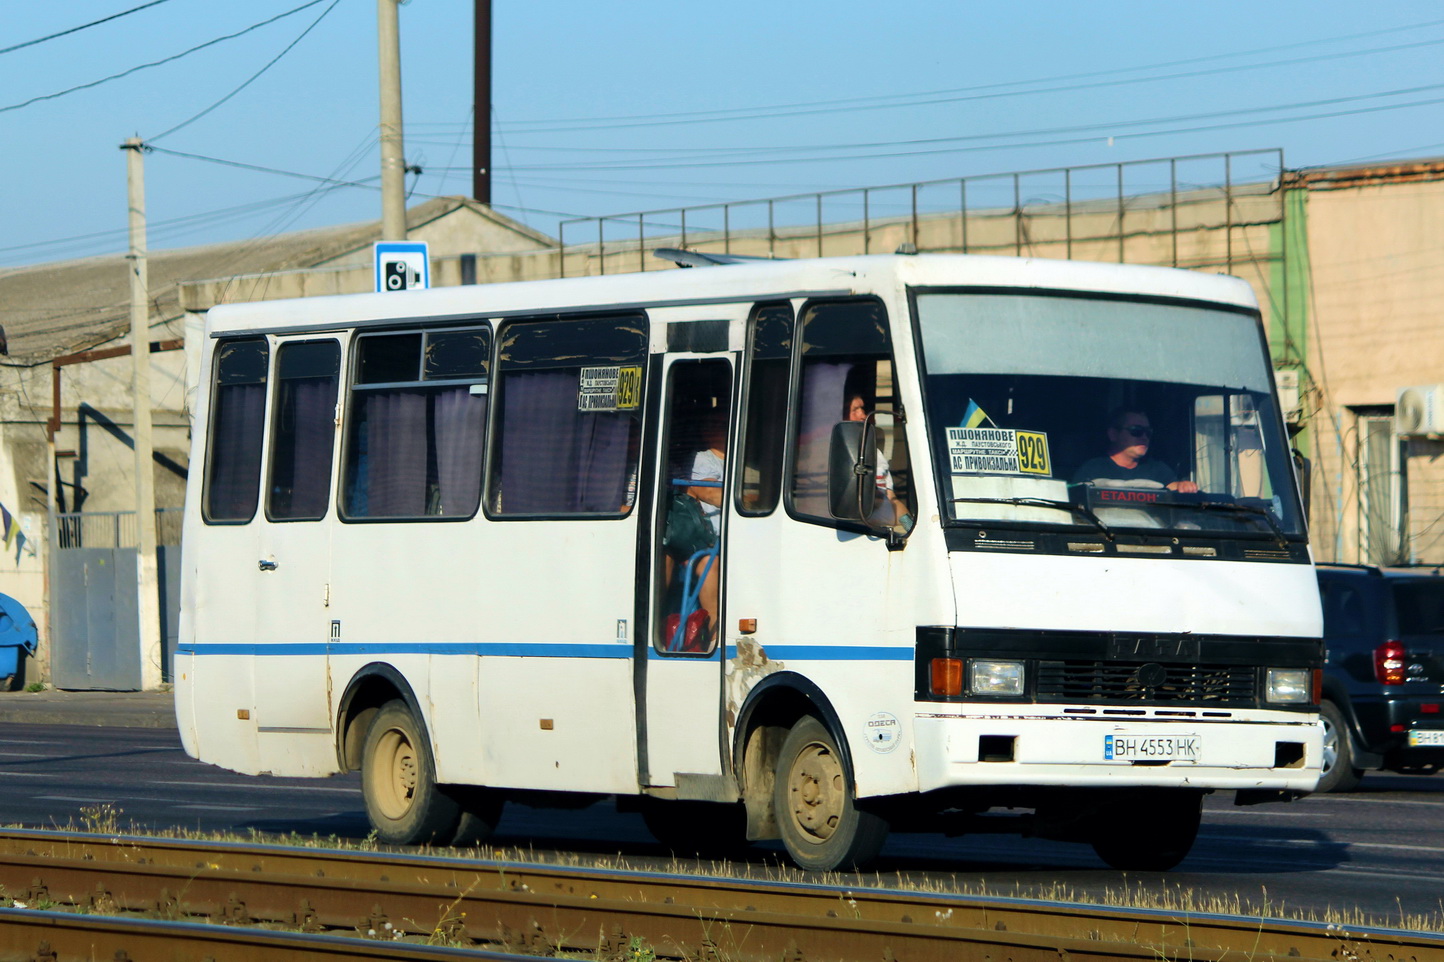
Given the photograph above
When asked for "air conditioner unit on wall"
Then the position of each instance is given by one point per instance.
(1290, 399)
(1419, 411)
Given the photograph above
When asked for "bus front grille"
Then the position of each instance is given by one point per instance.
(1111, 681)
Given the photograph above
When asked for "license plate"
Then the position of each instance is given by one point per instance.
(1151, 748)
(1418, 738)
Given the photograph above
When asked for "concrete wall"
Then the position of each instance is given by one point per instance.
(1375, 327)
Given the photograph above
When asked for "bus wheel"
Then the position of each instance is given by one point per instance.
(1148, 830)
(820, 822)
(398, 782)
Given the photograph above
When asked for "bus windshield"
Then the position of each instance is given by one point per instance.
(1068, 410)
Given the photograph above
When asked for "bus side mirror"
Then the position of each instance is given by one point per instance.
(852, 471)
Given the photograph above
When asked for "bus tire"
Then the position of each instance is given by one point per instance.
(1148, 830)
(1338, 773)
(480, 812)
(398, 782)
(817, 815)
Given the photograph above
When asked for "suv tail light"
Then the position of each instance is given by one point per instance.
(1389, 663)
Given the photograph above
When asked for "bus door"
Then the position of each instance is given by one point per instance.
(292, 569)
(681, 714)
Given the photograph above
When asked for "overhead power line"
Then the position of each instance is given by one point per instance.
(952, 95)
(264, 170)
(724, 157)
(157, 63)
(255, 76)
(83, 26)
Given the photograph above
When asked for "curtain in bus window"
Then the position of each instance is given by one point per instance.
(310, 407)
(460, 424)
(395, 477)
(554, 458)
(823, 384)
(235, 470)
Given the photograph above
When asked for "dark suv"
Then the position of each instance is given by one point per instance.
(1383, 701)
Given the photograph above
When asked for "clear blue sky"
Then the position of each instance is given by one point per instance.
(605, 108)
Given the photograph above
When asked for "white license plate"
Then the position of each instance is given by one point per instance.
(1152, 748)
(1418, 738)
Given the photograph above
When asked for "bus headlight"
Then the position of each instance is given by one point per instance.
(1289, 686)
(995, 677)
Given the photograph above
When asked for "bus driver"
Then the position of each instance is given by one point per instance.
(1127, 461)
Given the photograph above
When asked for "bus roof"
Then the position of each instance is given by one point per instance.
(734, 283)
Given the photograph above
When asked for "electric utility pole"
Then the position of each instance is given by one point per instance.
(148, 601)
(393, 159)
(481, 111)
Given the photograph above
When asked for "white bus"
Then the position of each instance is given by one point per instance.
(798, 550)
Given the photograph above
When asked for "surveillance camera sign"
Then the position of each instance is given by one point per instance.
(402, 266)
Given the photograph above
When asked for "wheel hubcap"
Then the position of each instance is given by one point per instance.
(1331, 746)
(396, 774)
(816, 788)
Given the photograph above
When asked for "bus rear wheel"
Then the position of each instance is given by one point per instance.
(1148, 830)
(398, 782)
(821, 825)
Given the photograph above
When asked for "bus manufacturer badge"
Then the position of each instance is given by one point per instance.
(883, 732)
(998, 451)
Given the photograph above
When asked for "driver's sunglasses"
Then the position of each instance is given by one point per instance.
(1139, 431)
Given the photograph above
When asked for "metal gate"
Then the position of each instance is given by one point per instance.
(95, 634)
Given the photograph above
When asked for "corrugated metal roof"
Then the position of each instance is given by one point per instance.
(59, 308)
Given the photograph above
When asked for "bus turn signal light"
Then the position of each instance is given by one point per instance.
(947, 676)
(1389, 663)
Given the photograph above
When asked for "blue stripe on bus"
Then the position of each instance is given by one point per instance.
(534, 650)
(523, 650)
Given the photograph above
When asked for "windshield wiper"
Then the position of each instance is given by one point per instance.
(1082, 510)
(1253, 511)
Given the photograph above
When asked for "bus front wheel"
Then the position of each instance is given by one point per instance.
(821, 825)
(398, 782)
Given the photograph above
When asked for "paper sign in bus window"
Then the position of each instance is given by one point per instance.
(998, 451)
(610, 389)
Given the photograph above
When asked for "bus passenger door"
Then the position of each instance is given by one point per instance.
(681, 714)
(293, 564)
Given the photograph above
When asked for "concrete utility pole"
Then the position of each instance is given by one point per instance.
(148, 600)
(481, 110)
(393, 159)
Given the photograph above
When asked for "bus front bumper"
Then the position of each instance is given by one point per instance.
(1269, 751)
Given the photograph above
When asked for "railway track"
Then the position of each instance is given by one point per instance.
(233, 901)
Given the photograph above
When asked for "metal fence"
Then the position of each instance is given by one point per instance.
(1095, 212)
(114, 529)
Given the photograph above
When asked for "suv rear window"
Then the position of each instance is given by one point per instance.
(1420, 607)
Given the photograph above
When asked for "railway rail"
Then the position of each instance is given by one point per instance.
(293, 903)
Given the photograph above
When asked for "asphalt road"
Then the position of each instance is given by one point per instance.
(1379, 850)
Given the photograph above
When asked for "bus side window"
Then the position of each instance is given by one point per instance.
(238, 411)
(416, 427)
(765, 433)
(847, 364)
(568, 421)
(303, 429)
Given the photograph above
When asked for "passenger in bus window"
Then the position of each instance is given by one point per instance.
(1127, 462)
(890, 510)
(707, 465)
